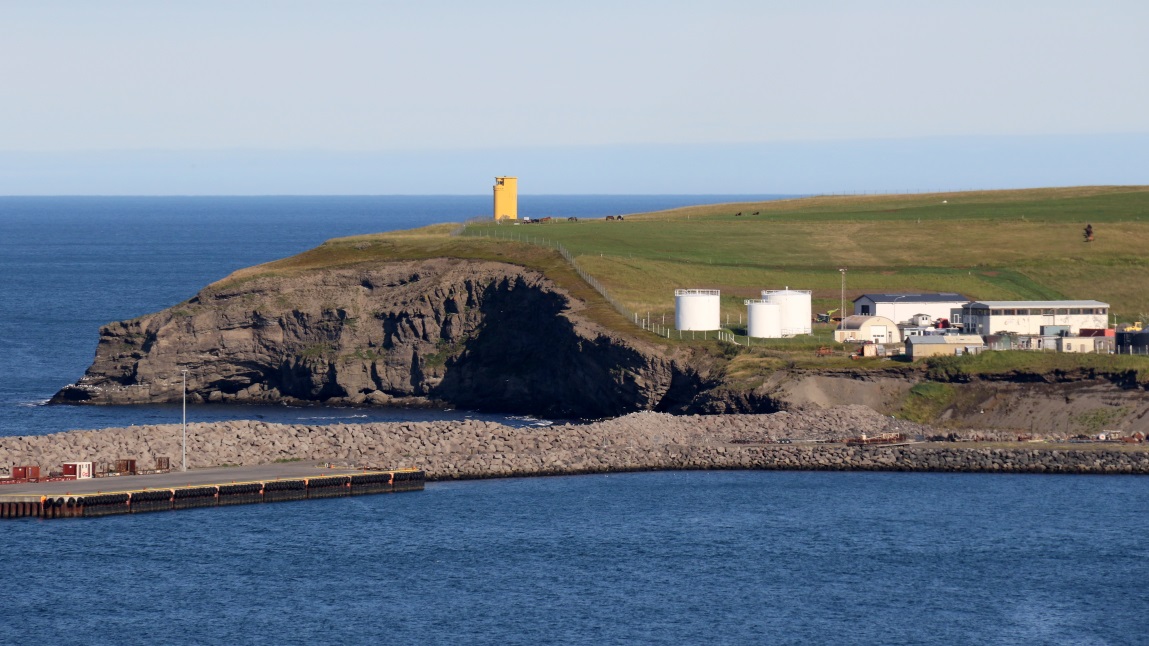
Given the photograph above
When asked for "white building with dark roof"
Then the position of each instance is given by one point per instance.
(1030, 317)
(900, 308)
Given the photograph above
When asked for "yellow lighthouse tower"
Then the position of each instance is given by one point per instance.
(506, 198)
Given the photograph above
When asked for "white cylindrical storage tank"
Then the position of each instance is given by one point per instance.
(697, 309)
(797, 309)
(763, 319)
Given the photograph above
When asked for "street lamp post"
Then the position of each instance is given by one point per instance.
(842, 324)
(185, 421)
(894, 312)
(842, 306)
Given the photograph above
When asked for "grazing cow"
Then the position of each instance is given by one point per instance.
(754, 213)
(546, 219)
(738, 214)
(572, 219)
(619, 218)
(610, 218)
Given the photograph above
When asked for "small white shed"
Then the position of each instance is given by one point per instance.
(82, 470)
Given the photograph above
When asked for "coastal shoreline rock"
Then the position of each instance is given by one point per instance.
(645, 441)
(497, 337)
(479, 335)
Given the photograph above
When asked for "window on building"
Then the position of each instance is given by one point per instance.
(1047, 312)
(1075, 310)
(1009, 312)
(865, 310)
(1062, 312)
(995, 312)
(1023, 312)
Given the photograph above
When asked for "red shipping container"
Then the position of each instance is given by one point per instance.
(69, 469)
(1097, 332)
(26, 473)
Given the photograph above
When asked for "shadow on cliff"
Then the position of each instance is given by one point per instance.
(528, 357)
(492, 337)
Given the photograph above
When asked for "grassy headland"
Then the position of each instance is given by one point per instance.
(1020, 244)
(988, 245)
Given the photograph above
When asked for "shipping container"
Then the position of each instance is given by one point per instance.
(80, 470)
(26, 473)
(1097, 332)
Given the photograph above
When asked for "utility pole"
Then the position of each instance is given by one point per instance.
(842, 310)
(185, 420)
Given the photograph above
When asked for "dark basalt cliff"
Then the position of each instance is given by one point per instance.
(479, 335)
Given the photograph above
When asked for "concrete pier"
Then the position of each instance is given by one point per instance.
(202, 488)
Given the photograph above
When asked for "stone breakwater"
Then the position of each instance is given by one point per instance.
(636, 442)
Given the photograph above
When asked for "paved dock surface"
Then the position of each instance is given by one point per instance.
(216, 476)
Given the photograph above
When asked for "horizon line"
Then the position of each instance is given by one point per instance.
(845, 193)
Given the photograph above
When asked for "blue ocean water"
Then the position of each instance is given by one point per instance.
(665, 558)
(71, 264)
(715, 557)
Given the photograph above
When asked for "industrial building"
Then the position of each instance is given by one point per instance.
(900, 308)
(859, 329)
(919, 347)
(506, 198)
(1062, 318)
(1132, 342)
(1085, 344)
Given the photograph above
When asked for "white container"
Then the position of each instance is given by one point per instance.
(763, 319)
(82, 470)
(797, 309)
(697, 309)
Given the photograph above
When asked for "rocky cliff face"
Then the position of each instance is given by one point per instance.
(496, 337)
(480, 335)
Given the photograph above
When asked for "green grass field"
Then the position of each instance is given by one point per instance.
(987, 245)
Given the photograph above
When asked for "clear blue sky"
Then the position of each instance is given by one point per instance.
(282, 96)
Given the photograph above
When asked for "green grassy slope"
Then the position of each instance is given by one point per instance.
(988, 245)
